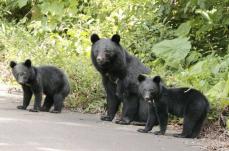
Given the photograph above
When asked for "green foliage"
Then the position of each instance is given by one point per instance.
(184, 41)
(172, 51)
(87, 94)
(184, 29)
(207, 20)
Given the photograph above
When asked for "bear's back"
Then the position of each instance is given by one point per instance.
(134, 68)
(53, 79)
(179, 99)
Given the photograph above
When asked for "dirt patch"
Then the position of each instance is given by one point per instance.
(215, 138)
(212, 137)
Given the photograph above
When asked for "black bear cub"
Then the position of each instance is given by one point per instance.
(47, 80)
(182, 102)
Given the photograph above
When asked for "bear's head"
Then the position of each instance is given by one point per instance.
(149, 88)
(105, 51)
(23, 72)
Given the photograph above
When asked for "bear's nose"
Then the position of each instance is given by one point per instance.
(147, 98)
(20, 82)
(99, 59)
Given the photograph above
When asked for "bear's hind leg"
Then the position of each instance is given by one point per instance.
(197, 128)
(48, 102)
(58, 103)
(188, 126)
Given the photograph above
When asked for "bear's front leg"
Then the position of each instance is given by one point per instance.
(27, 95)
(151, 120)
(162, 115)
(37, 103)
(113, 102)
(130, 109)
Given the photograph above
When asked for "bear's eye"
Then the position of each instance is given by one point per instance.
(18, 75)
(149, 90)
(109, 51)
(145, 90)
(96, 51)
(107, 54)
(21, 74)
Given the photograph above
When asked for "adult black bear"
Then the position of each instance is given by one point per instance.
(38, 80)
(119, 71)
(182, 102)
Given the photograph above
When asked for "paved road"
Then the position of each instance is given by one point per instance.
(70, 131)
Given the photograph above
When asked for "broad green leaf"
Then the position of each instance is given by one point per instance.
(55, 8)
(201, 3)
(192, 57)
(216, 91)
(208, 65)
(36, 13)
(187, 7)
(197, 68)
(22, 3)
(184, 29)
(204, 14)
(225, 92)
(172, 51)
(220, 91)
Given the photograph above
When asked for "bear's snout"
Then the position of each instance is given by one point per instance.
(21, 82)
(22, 79)
(100, 60)
(147, 98)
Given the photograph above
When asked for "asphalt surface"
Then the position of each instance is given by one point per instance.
(70, 131)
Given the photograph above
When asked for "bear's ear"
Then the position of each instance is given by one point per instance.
(157, 79)
(94, 38)
(13, 64)
(115, 38)
(28, 63)
(141, 77)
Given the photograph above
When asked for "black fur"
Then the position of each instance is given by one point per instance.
(182, 102)
(119, 71)
(94, 38)
(38, 80)
(116, 38)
